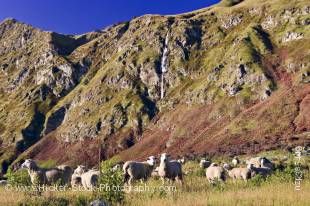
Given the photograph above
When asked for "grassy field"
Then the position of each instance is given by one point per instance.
(277, 189)
(231, 194)
(195, 192)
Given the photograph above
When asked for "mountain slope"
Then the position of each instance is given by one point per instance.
(237, 81)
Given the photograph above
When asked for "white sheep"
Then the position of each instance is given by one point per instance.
(238, 173)
(76, 179)
(215, 172)
(90, 178)
(42, 176)
(170, 169)
(87, 178)
(255, 161)
(133, 170)
(80, 170)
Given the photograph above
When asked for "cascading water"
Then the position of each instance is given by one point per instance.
(164, 65)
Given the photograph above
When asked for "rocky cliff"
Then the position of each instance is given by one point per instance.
(230, 78)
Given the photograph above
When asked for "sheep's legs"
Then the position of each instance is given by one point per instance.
(179, 179)
(126, 178)
(163, 180)
(143, 180)
(130, 181)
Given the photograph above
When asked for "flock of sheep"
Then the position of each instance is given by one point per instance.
(172, 169)
(62, 174)
(167, 169)
(255, 166)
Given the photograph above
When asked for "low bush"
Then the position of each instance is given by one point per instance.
(111, 182)
(257, 180)
(20, 177)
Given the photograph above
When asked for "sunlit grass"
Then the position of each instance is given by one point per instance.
(277, 189)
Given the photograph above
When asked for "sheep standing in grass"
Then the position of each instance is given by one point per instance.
(215, 173)
(263, 171)
(87, 178)
(138, 170)
(80, 170)
(260, 162)
(76, 179)
(170, 169)
(235, 161)
(41, 176)
(204, 163)
(238, 173)
(67, 173)
(255, 161)
(90, 178)
(260, 165)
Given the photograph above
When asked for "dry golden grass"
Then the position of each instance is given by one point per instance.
(196, 192)
(277, 190)
(280, 194)
(9, 197)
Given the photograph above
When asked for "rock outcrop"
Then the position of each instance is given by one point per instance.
(107, 84)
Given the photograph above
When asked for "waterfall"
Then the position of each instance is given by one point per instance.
(164, 65)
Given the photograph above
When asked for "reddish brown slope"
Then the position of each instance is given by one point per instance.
(275, 123)
(281, 121)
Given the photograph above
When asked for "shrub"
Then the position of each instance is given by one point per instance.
(20, 177)
(284, 172)
(257, 180)
(289, 171)
(112, 183)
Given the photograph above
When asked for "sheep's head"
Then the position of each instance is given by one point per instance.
(262, 161)
(236, 159)
(151, 160)
(164, 158)
(182, 160)
(204, 163)
(29, 164)
(80, 170)
(227, 166)
(250, 166)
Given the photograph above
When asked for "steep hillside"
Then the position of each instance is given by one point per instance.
(235, 80)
